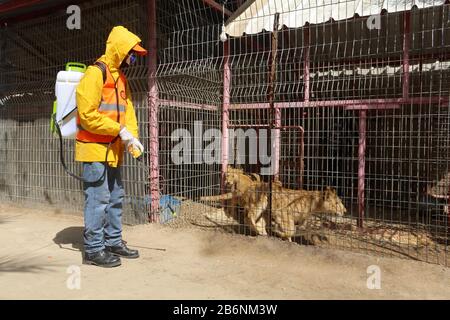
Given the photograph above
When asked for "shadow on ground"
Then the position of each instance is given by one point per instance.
(70, 238)
(4, 220)
(12, 264)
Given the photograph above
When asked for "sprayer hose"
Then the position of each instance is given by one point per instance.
(63, 162)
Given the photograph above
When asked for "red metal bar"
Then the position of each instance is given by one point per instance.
(306, 62)
(20, 14)
(373, 107)
(276, 155)
(372, 103)
(218, 7)
(276, 112)
(153, 113)
(406, 46)
(225, 112)
(448, 213)
(361, 165)
(187, 105)
(17, 4)
(264, 126)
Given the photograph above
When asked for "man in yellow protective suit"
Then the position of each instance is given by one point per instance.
(107, 127)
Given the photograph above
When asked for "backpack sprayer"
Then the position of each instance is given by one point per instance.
(64, 116)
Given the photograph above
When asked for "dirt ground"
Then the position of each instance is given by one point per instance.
(40, 254)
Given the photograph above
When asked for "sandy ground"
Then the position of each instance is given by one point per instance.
(40, 254)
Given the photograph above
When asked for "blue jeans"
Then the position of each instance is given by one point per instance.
(102, 207)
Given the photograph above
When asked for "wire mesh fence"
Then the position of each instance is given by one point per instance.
(359, 119)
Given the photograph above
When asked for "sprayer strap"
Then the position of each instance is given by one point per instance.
(102, 67)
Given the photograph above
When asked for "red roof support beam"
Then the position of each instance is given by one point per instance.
(14, 5)
(32, 9)
(218, 7)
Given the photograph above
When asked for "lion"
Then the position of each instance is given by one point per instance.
(249, 193)
(295, 207)
(289, 207)
(255, 201)
(239, 182)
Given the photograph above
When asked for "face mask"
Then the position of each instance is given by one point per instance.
(132, 59)
(129, 60)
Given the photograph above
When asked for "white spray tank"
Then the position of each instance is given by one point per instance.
(65, 107)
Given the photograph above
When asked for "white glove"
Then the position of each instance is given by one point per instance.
(125, 135)
(135, 147)
(136, 144)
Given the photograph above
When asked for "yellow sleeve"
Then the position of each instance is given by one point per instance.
(130, 116)
(89, 96)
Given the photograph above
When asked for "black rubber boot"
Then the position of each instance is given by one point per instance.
(102, 259)
(123, 251)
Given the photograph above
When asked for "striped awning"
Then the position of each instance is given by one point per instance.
(258, 15)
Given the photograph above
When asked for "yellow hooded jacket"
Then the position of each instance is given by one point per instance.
(89, 95)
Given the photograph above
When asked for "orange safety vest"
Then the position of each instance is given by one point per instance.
(113, 105)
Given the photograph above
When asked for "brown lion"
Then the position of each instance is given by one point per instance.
(294, 207)
(239, 182)
(289, 207)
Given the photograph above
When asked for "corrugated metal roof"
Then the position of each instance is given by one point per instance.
(259, 15)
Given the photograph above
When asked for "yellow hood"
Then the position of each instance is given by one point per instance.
(119, 43)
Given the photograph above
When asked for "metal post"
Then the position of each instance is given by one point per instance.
(225, 107)
(362, 165)
(448, 212)
(406, 46)
(275, 122)
(306, 90)
(276, 112)
(153, 113)
(277, 137)
(306, 61)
